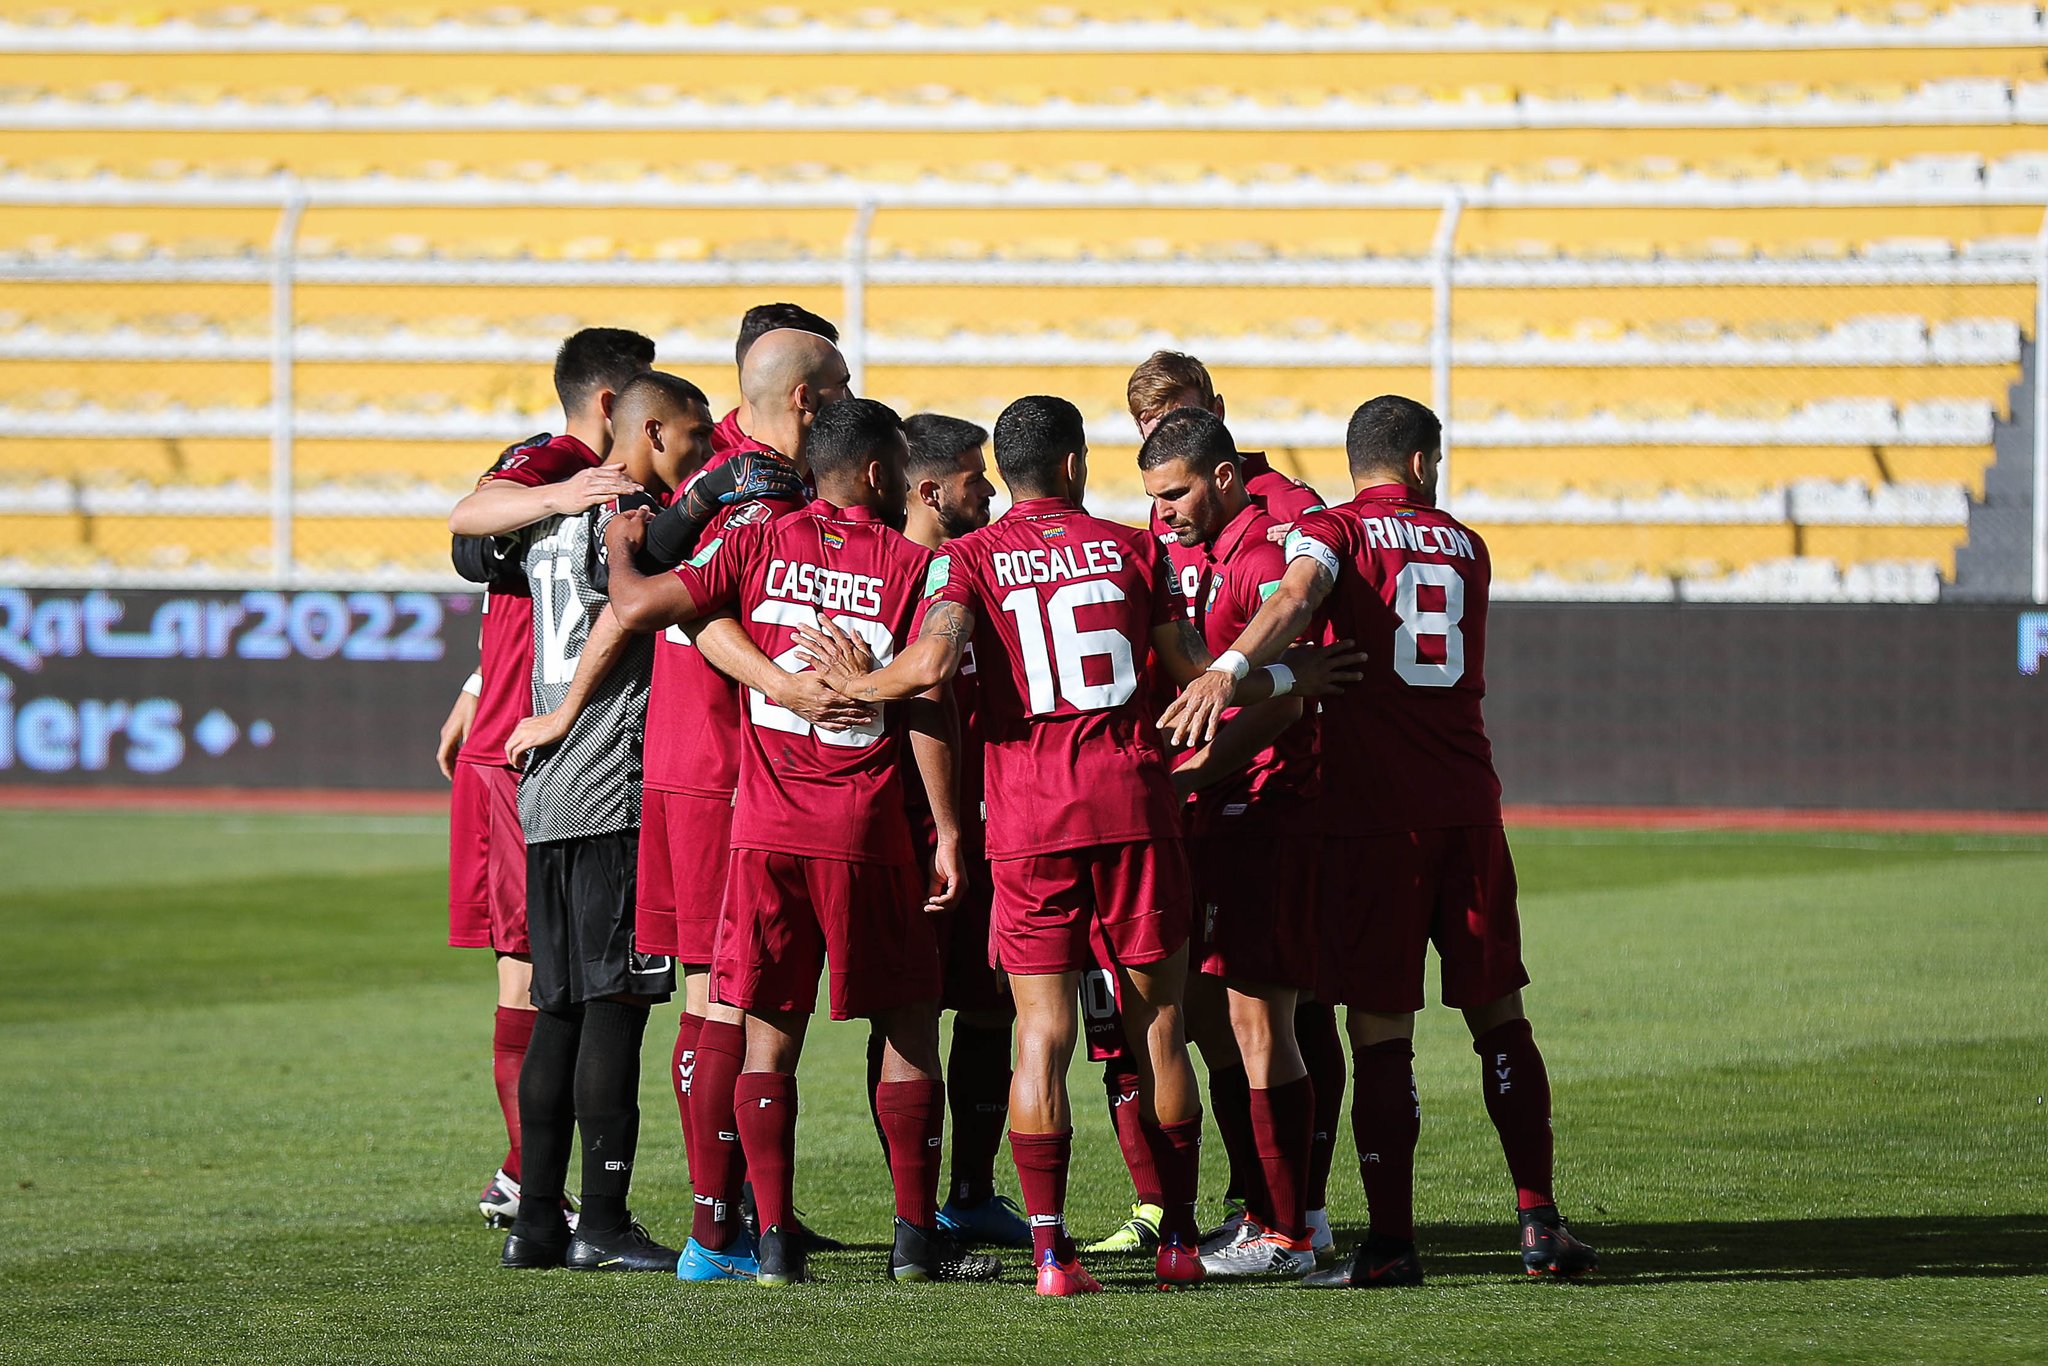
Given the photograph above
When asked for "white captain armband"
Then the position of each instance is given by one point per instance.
(1300, 547)
(474, 684)
(1283, 679)
(1232, 663)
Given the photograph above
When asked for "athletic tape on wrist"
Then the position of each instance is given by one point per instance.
(1232, 663)
(474, 685)
(1283, 679)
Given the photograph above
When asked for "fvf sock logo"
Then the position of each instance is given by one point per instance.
(686, 1069)
(1500, 1074)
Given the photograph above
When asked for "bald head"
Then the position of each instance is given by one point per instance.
(785, 359)
(787, 377)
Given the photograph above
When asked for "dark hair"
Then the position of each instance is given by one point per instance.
(650, 385)
(937, 442)
(1386, 430)
(599, 358)
(1032, 436)
(845, 435)
(1165, 375)
(758, 321)
(1195, 435)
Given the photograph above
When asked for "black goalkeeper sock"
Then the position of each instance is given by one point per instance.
(547, 1122)
(876, 1043)
(608, 1109)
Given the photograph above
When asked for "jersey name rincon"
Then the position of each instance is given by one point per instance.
(835, 590)
(1400, 533)
(1014, 568)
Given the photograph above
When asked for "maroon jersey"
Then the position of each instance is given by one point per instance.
(693, 710)
(1274, 791)
(1065, 605)
(1283, 498)
(1404, 749)
(817, 793)
(507, 667)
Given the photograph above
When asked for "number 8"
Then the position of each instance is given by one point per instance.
(1408, 661)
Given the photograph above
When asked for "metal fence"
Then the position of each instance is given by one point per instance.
(1579, 418)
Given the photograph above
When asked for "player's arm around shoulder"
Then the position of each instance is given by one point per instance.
(944, 628)
(644, 602)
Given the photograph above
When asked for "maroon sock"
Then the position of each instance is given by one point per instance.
(717, 1162)
(978, 1094)
(1283, 1119)
(510, 1034)
(766, 1102)
(1177, 1152)
(1231, 1107)
(1042, 1161)
(1518, 1102)
(683, 1063)
(912, 1116)
(1386, 1120)
(1122, 1085)
(1322, 1048)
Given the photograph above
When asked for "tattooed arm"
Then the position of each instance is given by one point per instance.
(933, 658)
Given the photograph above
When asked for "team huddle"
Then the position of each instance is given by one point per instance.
(773, 697)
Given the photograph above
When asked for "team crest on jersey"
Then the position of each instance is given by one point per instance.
(834, 540)
(1052, 533)
(746, 514)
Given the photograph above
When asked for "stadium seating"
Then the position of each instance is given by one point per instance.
(1724, 378)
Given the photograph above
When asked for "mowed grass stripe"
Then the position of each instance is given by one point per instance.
(1796, 1100)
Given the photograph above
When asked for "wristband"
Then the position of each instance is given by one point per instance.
(1232, 663)
(474, 685)
(1283, 679)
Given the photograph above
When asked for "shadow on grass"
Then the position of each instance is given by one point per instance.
(1867, 1248)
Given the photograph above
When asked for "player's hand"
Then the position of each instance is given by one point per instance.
(589, 488)
(1322, 670)
(1193, 718)
(626, 534)
(745, 477)
(944, 891)
(1278, 532)
(812, 698)
(837, 655)
(454, 732)
(535, 732)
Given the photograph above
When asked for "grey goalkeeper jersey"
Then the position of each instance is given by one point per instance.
(589, 784)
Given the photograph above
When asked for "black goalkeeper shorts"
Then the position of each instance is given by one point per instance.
(579, 919)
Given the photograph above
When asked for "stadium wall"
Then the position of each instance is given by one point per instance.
(1679, 704)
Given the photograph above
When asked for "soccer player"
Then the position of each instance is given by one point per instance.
(692, 770)
(1083, 824)
(579, 805)
(949, 496)
(736, 430)
(821, 869)
(1414, 816)
(538, 477)
(1164, 382)
(1251, 841)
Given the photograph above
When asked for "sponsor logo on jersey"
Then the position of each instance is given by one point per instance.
(703, 557)
(939, 575)
(746, 514)
(1267, 590)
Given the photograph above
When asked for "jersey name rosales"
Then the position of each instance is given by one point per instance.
(1050, 564)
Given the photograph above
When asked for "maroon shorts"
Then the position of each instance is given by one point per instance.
(786, 917)
(486, 860)
(971, 981)
(1045, 904)
(1255, 907)
(1396, 895)
(685, 841)
(1102, 1002)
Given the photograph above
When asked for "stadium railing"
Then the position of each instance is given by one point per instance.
(1531, 516)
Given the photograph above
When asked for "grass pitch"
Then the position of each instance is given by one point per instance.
(1799, 1100)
